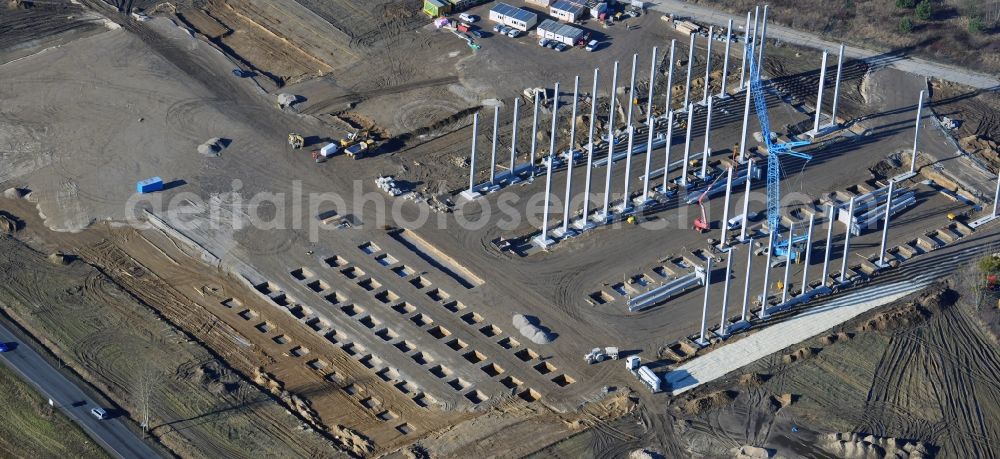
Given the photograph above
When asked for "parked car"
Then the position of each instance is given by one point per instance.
(513, 33)
(477, 34)
(552, 44)
(561, 47)
(544, 43)
(505, 29)
(465, 17)
(99, 413)
(240, 73)
(497, 27)
(592, 46)
(4, 347)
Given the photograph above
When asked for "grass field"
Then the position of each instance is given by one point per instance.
(31, 428)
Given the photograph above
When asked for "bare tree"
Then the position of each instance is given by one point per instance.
(144, 384)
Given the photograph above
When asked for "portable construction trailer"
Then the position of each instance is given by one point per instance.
(517, 18)
(562, 33)
(566, 10)
(435, 8)
(149, 185)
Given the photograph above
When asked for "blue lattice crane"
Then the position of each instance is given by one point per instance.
(773, 149)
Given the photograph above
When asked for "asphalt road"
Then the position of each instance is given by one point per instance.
(112, 434)
(775, 32)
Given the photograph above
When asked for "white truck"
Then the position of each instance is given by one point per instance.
(329, 149)
(357, 150)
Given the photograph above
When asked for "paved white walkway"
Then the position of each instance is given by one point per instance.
(807, 324)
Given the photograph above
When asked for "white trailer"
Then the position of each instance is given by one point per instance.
(649, 379)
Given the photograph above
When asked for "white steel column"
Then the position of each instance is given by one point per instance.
(724, 240)
(669, 143)
(723, 329)
(819, 95)
(708, 63)
(493, 150)
(631, 92)
(534, 139)
(702, 341)
(611, 144)
(763, 38)
(885, 225)
(472, 159)
(829, 246)
(788, 263)
(808, 256)
(996, 197)
(569, 161)
(767, 276)
(687, 83)
(753, 41)
(687, 146)
(626, 200)
(708, 131)
(572, 124)
(670, 78)
(847, 241)
(836, 86)
(582, 223)
(650, 123)
(543, 239)
(916, 133)
(725, 61)
(513, 140)
(746, 42)
(652, 82)
(555, 120)
(746, 119)
(746, 201)
(746, 284)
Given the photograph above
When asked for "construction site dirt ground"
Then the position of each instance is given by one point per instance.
(395, 332)
(914, 375)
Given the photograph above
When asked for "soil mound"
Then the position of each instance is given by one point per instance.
(801, 354)
(61, 259)
(708, 402)
(855, 446)
(212, 147)
(9, 224)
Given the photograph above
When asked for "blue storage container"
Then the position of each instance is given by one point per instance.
(149, 185)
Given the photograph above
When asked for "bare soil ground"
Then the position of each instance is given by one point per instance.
(201, 407)
(30, 28)
(874, 24)
(977, 114)
(916, 375)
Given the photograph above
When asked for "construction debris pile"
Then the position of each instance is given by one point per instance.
(388, 185)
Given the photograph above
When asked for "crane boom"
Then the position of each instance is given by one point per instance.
(773, 149)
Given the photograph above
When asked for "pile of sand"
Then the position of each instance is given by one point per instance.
(286, 100)
(212, 147)
(854, 446)
(979, 145)
(800, 354)
(9, 224)
(750, 452)
(60, 259)
(529, 328)
(708, 402)
(14, 193)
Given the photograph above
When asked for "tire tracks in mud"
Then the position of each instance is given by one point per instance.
(951, 360)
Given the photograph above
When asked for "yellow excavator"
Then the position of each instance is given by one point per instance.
(296, 141)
